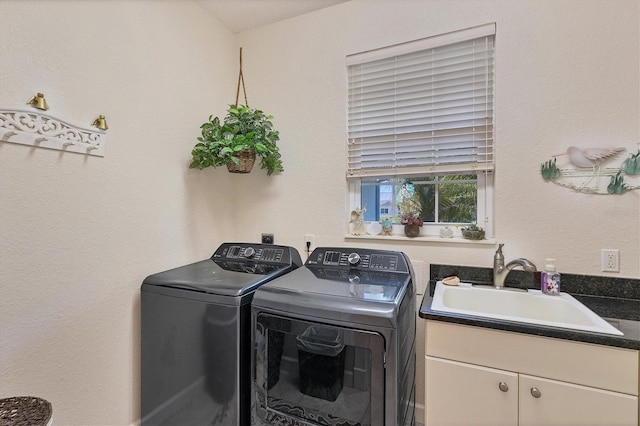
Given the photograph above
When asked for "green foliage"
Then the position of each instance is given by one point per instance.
(631, 165)
(473, 232)
(549, 170)
(426, 195)
(408, 202)
(617, 185)
(243, 128)
(458, 201)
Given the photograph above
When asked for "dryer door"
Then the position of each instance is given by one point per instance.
(312, 373)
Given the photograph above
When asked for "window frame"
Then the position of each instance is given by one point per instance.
(484, 205)
(484, 172)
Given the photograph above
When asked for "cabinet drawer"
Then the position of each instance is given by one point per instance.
(603, 367)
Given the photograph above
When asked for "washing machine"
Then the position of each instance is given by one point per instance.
(196, 335)
(334, 342)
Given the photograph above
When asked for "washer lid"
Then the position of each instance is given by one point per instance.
(354, 285)
(358, 297)
(235, 269)
(216, 277)
(358, 284)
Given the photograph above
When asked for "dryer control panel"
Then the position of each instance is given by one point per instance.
(358, 258)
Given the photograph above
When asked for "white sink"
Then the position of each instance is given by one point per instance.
(532, 307)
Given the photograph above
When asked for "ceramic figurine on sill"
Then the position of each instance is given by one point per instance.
(357, 218)
(387, 226)
(446, 232)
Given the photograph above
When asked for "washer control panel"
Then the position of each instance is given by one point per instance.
(264, 253)
(358, 258)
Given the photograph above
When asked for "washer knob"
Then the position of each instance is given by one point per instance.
(353, 259)
(249, 252)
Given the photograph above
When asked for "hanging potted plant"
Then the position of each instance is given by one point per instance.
(246, 134)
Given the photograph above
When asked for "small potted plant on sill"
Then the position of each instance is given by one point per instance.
(410, 209)
(412, 224)
(473, 232)
(246, 134)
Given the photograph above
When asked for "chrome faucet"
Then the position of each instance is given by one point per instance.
(500, 271)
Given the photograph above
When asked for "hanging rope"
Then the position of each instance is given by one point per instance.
(241, 79)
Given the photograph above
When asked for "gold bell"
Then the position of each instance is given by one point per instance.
(39, 102)
(100, 123)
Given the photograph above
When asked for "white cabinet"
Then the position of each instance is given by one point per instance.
(477, 376)
(550, 402)
(465, 394)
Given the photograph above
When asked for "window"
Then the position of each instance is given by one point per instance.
(422, 112)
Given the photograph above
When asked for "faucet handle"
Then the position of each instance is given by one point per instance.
(499, 254)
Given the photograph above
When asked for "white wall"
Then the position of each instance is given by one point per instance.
(79, 234)
(567, 73)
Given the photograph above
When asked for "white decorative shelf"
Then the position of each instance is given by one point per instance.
(33, 128)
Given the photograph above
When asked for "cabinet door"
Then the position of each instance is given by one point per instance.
(464, 394)
(549, 402)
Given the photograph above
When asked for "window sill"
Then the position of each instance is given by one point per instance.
(423, 239)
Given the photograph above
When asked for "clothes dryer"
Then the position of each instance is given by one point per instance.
(334, 342)
(196, 335)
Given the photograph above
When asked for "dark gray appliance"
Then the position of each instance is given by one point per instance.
(334, 342)
(196, 335)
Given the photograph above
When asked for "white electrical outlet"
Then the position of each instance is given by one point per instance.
(610, 260)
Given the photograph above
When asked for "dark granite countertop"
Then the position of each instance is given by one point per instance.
(614, 299)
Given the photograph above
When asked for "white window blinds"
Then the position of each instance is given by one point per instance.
(423, 106)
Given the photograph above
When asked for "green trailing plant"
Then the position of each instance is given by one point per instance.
(631, 165)
(549, 170)
(244, 128)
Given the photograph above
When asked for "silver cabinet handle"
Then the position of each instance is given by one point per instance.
(503, 386)
(535, 392)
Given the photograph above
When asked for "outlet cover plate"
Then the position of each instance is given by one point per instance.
(610, 259)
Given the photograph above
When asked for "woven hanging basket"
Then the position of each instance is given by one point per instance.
(25, 411)
(247, 158)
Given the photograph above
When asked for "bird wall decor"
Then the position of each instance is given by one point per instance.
(586, 172)
(590, 157)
